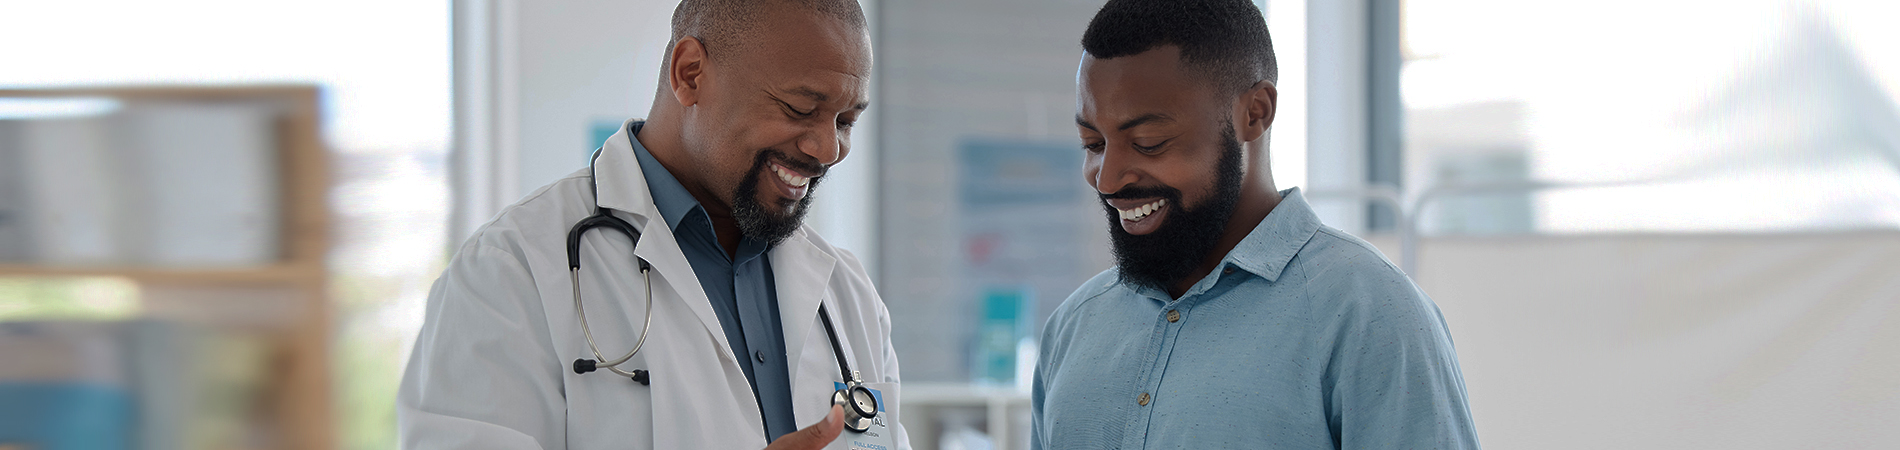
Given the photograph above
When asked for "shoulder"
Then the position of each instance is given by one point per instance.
(1098, 285)
(509, 246)
(546, 211)
(1349, 280)
(1333, 253)
(846, 267)
(1071, 318)
(849, 280)
(1095, 288)
(845, 258)
(1334, 261)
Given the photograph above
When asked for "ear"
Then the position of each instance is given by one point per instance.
(686, 70)
(1254, 110)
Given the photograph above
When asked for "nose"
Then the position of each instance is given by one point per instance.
(825, 144)
(1113, 170)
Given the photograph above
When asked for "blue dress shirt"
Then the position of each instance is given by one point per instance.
(741, 289)
(1305, 337)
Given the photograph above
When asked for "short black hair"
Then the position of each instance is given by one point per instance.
(1225, 39)
(727, 25)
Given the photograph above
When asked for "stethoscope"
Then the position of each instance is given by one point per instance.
(860, 405)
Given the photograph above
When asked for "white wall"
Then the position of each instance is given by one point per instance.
(1762, 341)
(530, 81)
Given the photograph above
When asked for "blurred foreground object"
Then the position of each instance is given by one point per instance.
(211, 204)
(99, 181)
(152, 385)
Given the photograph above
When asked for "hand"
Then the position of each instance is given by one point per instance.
(813, 437)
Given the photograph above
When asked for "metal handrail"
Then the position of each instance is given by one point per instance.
(1409, 214)
(1392, 198)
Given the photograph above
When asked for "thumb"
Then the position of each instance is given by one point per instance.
(816, 436)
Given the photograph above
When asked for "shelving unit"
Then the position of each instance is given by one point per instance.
(286, 302)
(1005, 410)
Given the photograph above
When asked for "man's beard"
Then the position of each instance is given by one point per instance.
(1172, 252)
(755, 221)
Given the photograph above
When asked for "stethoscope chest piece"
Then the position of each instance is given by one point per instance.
(860, 406)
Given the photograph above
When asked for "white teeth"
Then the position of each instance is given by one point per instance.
(1142, 211)
(790, 178)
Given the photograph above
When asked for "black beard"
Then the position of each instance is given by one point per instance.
(754, 220)
(1172, 252)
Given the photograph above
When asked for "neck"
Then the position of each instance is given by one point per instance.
(1258, 197)
(662, 138)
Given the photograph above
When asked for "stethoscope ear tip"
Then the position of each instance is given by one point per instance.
(640, 376)
(583, 365)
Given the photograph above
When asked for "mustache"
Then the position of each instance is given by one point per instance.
(802, 166)
(1144, 192)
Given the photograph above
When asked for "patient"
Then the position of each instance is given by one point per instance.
(1233, 317)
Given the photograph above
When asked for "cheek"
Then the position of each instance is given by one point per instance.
(720, 156)
(727, 163)
(1197, 179)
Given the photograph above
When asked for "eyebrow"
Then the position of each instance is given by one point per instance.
(821, 97)
(1145, 118)
(1138, 121)
(811, 93)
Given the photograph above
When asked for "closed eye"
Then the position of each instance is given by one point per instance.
(794, 111)
(1148, 149)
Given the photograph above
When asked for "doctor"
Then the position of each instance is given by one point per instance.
(755, 319)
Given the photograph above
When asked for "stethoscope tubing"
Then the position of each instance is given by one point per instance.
(844, 369)
(574, 275)
(859, 421)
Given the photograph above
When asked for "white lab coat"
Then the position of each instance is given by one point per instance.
(492, 365)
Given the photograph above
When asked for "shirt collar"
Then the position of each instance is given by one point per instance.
(675, 203)
(669, 196)
(1265, 251)
(1271, 245)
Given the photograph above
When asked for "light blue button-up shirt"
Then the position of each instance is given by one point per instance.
(1305, 337)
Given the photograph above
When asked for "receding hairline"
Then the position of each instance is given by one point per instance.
(723, 26)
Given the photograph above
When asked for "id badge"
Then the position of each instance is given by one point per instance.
(879, 437)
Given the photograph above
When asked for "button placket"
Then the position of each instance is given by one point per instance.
(1169, 332)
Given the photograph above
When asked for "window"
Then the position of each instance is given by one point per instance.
(1650, 116)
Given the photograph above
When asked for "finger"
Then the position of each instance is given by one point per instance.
(813, 437)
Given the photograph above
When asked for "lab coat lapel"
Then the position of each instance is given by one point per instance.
(623, 187)
(707, 423)
(801, 272)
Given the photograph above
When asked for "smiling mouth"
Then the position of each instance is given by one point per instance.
(1137, 213)
(790, 178)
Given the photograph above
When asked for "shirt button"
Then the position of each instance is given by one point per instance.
(1142, 399)
(1174, 315)
(759, 354)
(1228, 271)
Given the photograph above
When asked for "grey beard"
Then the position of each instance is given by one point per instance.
(754, 220)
